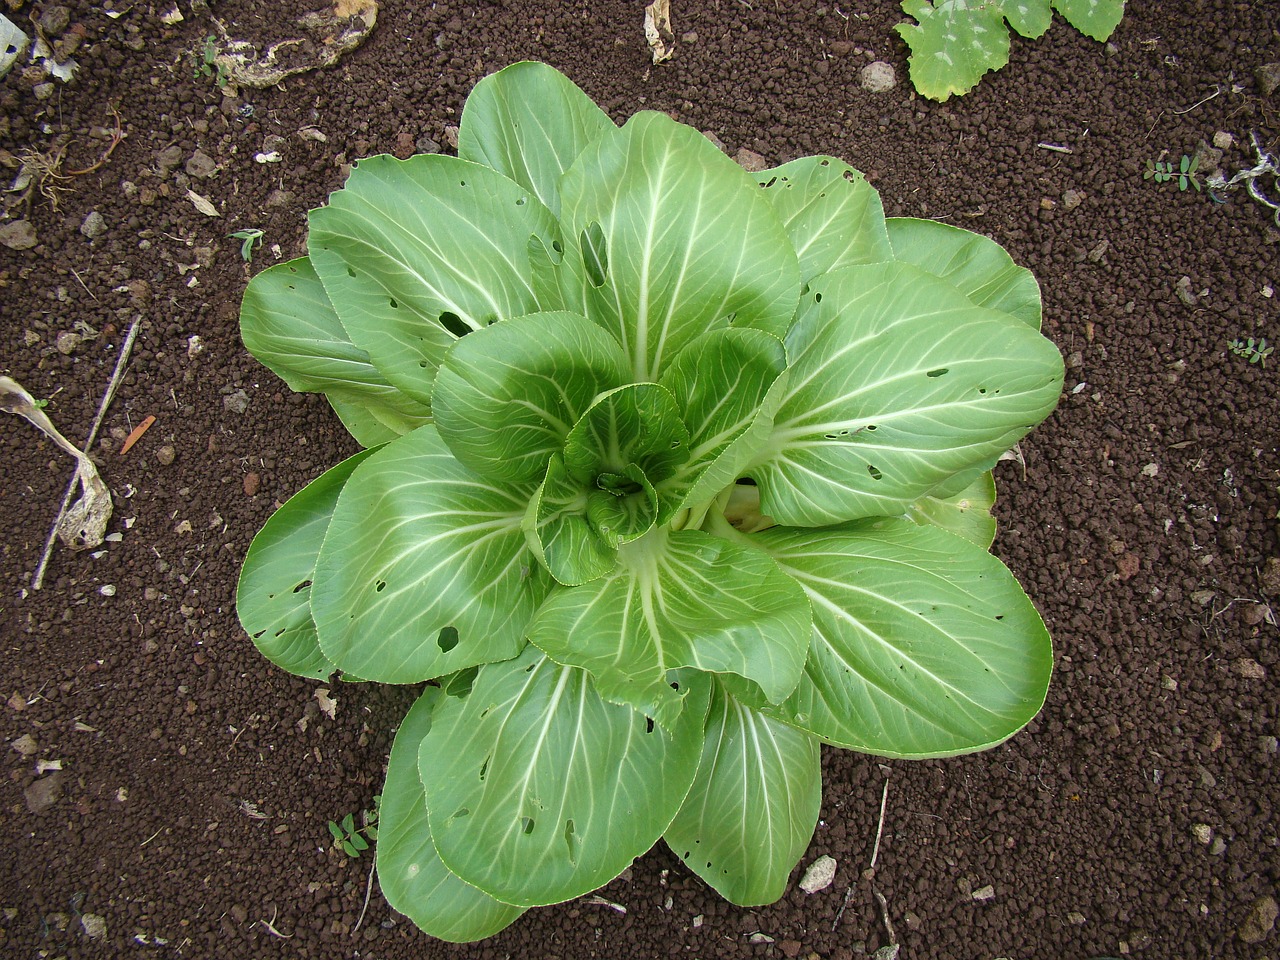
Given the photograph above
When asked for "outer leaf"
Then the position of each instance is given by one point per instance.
(1031, 18)
(832, 215)
(753, 807)
(978, 266)
(506, 397)
(1094, 18)
(954, 44)
(273, 597)
(896, 383)
(923, 645)
(424, 569)
(530, 122)
(966, 514)
(288, 323)
(410, 872)
(665, 199)
(414, 252)
(684, 599)
(539, 791)
(721, 382)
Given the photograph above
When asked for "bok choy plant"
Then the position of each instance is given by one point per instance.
(672, 473)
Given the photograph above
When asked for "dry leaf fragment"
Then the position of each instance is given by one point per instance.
(136, 434)
(658, 32)
(85, 523)
(328, 706)
(203, 204)
(328, 35)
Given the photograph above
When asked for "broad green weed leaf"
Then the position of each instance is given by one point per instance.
(722, 383)
(896, 384)
(977, 266)
(530, 122)
(966, 514)
(539, 791)
(424, 569)
(953, 44)
(752, 808)
(684, 599)
(414, 253)
(273, 596)
(1094, 18)
(832, 215)
(410, 873)
(506, 397)
(288, 323)
(665, 200)
(923, 643)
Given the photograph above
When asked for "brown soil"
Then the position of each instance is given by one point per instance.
(1137, 815)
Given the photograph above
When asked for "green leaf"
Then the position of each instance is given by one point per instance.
(665, 201)
(529, 122)
(338, 833)
(976, 265)
(1094, 18)
(686, 599)
(896, 383)
(923, 644)
(273, 596)
(414, 253)
(966, 514)
(752, 809)
(410, 872)
(953, 44)
(539, 791)
(506, 397)
(560, 532)
(832, 215)
(1031, 18)
(722, 382)
(424, 570)
(288, 323)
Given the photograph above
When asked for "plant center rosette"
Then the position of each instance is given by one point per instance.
(671, 474)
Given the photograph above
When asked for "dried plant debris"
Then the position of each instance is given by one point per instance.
(657, 30)
(326, 36)
(84, 524)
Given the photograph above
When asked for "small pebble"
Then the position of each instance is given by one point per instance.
(107, 590)
(165, 455)
(251, 484)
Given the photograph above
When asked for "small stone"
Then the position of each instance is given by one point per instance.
(888, 952)
(878, 77)
(819, 875)
(1260, 921)
(1202, 832)
(201, 166)
(1250, 669)
(94, 225)
(1223, 140)
(26, 745)
(425, 144)
(451, 136)
(983, 894)
(1127, 566)
(760, 938)
(18, 235)
(44, 793)
(1271, 576)
(1253, 614)
(68, 342)
(43, 91)
(237, 402)
(698, 921)
(18, 703)
(1072, 199)
(251, 484)
(404, 144)
(1218, 847)
(54, 20)
(1075, 918)
(690, 37)
(1183, 289)
(1270, 745)
(1268, 76)
(1099, 251)
(107, 589)
(750, 161)
(95, 927)
(913, 920)
(1151, 470)
(167, 160)
(166, 455)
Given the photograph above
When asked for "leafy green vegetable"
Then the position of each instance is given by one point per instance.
(954, 42)
(673, 474)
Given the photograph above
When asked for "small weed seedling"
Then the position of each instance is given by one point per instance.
(207, 62)
(1162, 171)
(1255, 351)
(353, 840)
(249, 239)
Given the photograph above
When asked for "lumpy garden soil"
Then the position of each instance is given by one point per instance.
(1136, 816)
